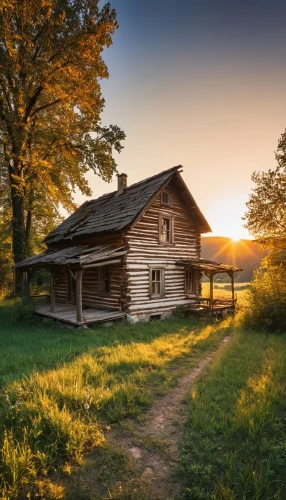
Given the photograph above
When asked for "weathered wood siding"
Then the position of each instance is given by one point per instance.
(145, 251)
(61, 285)
(90, 292)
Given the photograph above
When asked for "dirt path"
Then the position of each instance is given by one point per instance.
(153, 442)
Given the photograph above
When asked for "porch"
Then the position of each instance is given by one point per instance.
(215, 306)
(67, 313)
(76, 296)
(210, 269)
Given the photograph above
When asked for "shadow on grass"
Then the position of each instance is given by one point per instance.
(36, 345)
(75, 379)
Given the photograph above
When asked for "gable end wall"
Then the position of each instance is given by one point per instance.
(145, 251)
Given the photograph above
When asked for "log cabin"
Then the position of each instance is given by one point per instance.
(133, 253)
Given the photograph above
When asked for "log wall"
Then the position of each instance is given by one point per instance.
(146, 250)
(61, 285)
(90, 292)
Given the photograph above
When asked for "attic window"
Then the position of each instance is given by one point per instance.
(166, 198)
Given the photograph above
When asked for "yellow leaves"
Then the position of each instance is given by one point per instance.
(53, 59)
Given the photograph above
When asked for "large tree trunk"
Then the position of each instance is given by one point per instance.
(28, 249)
(18, 228)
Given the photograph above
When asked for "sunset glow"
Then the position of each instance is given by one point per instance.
(205, 89)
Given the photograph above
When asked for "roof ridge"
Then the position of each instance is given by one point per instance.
(155, 176)
(107, 195)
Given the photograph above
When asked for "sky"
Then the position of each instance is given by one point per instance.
(199, 83)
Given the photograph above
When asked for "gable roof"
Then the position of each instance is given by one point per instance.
(113, 212)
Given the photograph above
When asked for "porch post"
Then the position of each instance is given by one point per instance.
(232, 285)
(53, 291)
(25, 287)
(211, 291)
(29, 276)
(78, 294)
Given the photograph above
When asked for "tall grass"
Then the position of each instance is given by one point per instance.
(234, 445)
(51, 417)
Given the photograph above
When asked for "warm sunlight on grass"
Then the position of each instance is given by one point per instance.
(234, 445)
(52, 417)
(223, 291)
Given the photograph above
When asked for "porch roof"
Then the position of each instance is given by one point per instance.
(80, 256)
(208, 266)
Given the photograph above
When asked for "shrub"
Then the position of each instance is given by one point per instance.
(24, 310)
(267, 298)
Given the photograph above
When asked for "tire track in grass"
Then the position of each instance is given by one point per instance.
(152, 443)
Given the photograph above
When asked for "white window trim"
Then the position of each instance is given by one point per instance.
(162, 281)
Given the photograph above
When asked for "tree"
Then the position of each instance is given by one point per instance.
(266, 220)
(50, 105)
(266, 215)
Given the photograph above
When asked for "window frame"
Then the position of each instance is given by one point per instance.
(161, 269)
(169, 217)
(102, 280)
(193, 280)
(166, 203)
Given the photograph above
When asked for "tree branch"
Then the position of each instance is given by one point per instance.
(32, 103)
(45, 106)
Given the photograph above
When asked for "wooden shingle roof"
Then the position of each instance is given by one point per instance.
(208, 266)
(80, 256)
(114, 212)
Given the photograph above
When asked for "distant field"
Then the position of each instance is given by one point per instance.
(221, 293)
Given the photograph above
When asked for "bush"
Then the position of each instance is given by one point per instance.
(267, 298)
(24, 309)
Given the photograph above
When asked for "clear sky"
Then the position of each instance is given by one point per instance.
(200, 83)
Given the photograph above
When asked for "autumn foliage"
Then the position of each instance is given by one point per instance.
(50, 105)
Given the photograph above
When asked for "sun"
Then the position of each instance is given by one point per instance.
(235, 234)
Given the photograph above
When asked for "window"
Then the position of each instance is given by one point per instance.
(103, 280)
(166, 229)
(157, 284)
(166, 198)
(191, 282)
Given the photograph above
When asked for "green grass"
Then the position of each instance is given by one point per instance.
(235, 446)
(60, 387)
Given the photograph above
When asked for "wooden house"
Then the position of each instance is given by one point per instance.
(133, 252)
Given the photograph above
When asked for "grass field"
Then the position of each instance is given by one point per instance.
(235, 441)
(220, 292)
(60, 388)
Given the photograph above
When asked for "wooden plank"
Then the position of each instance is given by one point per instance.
(68, 314)
(211, 291)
